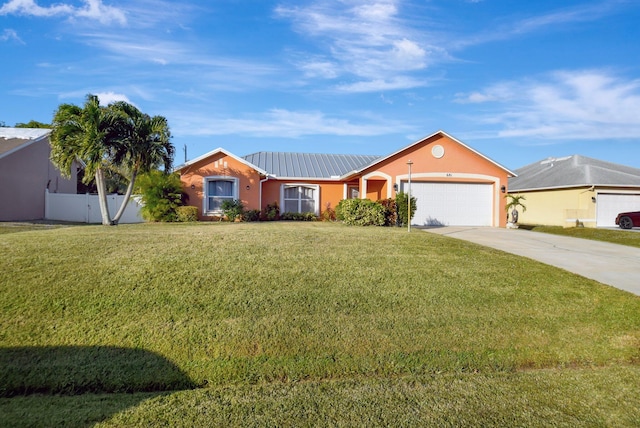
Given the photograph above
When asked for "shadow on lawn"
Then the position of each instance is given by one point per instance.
(74, 370)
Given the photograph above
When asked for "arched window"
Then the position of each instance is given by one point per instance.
(300, 198)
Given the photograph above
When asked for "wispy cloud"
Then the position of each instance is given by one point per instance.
(556, 20)
(92, 9)
(281, 123)
(10, 34)
(366, 40)
(565, 105)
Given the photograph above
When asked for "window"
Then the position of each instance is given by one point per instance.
(300, 198)
(218, 190)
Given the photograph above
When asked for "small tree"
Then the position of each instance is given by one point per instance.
(232, 209)
(513, 202)
(161, 195)
(401, 206)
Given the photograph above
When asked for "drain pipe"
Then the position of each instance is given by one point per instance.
(260, 192)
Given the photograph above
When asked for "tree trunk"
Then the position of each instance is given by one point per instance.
(127, 196)
(102, 197)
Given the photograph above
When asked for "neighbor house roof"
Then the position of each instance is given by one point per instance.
(573, 171)
(308, 165)
(14, 139)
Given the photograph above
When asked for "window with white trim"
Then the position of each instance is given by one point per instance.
(300, 198)
(218, 190)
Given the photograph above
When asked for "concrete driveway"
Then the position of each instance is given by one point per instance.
(611, 264)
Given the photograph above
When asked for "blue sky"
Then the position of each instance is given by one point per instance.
(518, 81)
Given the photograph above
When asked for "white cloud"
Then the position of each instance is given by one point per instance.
(107, 98)
(565, 105)
(367, 40)
(280, 123)
(557, 20)
(9, 34)
(92, 9)
(30, 8)
(381, 85)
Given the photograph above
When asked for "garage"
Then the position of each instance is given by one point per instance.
(610, 204)
(452, 204)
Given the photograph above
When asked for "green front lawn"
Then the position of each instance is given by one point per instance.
(622, 237)
(262, 324)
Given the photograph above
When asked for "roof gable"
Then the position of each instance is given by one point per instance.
(226, 153)
(573, 171)
(420, 141)
(14, 139)
(308, 165)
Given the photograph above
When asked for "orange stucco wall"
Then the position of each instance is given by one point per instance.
(331, 192)
(458, 164)
(192, 177)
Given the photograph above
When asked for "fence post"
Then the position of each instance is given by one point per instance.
(46, 204)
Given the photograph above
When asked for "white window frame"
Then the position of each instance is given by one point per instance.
(205, 199)
(316, 196)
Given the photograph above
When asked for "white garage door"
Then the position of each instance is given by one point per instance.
(452, 204)
(610, 204)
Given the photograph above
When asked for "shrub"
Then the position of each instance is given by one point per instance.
(360, 212)
(161, 195)
(232, 209)
(328, 214)
(390, 211)
(187, 213)
(251, 215)
(402, 208)
(308, 216)
(271, 212)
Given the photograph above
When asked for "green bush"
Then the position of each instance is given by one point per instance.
(390, 211)
(251, 215)
(271, 212)
(402, 208)
(328, 214)
(360, 212)
(309, 216)
(161, 195)
(187, 213)
(232, 209)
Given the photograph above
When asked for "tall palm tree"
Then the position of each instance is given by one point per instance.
(86, 134)
(143, 144)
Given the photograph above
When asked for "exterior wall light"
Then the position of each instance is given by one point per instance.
(503, 188)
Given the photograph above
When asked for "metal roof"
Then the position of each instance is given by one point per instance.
(308, 165)
(573, 171)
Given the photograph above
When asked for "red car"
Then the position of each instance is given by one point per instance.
(628, 220)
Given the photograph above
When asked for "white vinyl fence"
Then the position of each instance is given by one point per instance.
(86, 208)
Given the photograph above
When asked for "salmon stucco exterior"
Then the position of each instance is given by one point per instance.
(453, 183)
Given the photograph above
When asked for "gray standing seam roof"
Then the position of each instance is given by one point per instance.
(308, 165)
(573, 171)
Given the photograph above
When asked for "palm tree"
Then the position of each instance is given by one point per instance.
(143, 144)
(86, 134)
(514, 202)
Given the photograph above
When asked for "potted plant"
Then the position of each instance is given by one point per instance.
(513, 202)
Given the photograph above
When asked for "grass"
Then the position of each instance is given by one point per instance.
(292, 323)
(621, 237)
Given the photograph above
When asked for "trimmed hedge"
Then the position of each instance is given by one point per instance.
(360, 212)
(186, 213)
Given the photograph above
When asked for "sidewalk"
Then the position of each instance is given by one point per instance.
(611, 264)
